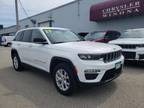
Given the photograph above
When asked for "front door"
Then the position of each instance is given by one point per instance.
(39, 52)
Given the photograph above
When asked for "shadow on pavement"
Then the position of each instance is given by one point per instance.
(135, 64)
(37, 86)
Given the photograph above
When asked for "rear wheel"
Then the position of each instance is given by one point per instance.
(64, 79)
(9, 44)
(17, 62)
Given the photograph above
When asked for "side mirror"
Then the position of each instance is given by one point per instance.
(40, 41)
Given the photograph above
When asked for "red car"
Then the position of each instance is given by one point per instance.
(102, 36)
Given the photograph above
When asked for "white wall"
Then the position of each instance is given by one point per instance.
(67, 17)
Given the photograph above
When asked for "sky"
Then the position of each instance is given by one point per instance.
(32, 7)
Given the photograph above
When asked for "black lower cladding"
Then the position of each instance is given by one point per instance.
(111, 74)
(129, 55)
(91, 76)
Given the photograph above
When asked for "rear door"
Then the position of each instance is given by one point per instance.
(25, 45)
(17, 44)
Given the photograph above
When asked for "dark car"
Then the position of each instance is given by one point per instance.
(102, 36)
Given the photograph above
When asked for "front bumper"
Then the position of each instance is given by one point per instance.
(104, 72)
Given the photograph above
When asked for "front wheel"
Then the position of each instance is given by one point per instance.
(17, 63)
(64, 79)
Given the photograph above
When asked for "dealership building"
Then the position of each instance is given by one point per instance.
(84, 16)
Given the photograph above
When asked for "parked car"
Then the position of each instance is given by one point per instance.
(132, 43)
(0, 39)
(6, 40)
(69, 60)
(102, 36)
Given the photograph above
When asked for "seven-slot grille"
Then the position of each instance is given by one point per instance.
(112, 56)
(128, 46)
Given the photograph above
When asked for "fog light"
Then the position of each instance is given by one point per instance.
(92, 71)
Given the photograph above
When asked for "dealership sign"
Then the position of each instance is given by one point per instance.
(116, 9)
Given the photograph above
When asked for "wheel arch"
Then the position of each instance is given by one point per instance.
(13, 51)
(56, 60)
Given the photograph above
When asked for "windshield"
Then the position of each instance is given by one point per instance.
(133, 34)
(95, 35)
(61, 36)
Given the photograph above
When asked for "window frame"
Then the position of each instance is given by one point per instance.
(19, 36)
(29, 37)
(40, 33)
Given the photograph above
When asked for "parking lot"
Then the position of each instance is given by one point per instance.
(33, 88)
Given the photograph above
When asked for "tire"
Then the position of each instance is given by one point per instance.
(17, 64)
(64, 79)
(9, 45)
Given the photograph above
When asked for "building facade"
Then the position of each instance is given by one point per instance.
(84, 16)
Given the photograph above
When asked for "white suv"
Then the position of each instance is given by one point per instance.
(69, 60)
(132, 43)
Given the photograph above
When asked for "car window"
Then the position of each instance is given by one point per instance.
(95, 35)
(27, 36)
(88, 37)
(61, 36)
(112, 35)
(36, 34)
(19, 36)
(139, 33)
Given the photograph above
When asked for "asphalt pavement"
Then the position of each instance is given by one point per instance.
(33, 88)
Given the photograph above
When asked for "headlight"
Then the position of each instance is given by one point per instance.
(89, 57)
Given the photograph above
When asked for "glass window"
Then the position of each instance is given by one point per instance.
(19, 36)
(37, 34)
(61, 36)
(27, 36)
(112, 35)
(95, 35)
(133, 34)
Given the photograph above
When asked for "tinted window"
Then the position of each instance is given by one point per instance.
(112, 35)
(19, 36)
(95, 35)
(36, 34)
(27, 36)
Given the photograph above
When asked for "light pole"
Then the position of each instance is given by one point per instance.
(17, 15)
(50, 21)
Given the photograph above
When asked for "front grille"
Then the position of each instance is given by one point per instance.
(129, 55)
(112, 56)
(111, 74)
(128, 46)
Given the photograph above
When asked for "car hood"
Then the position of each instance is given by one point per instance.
(87, 47)
(128, 41)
